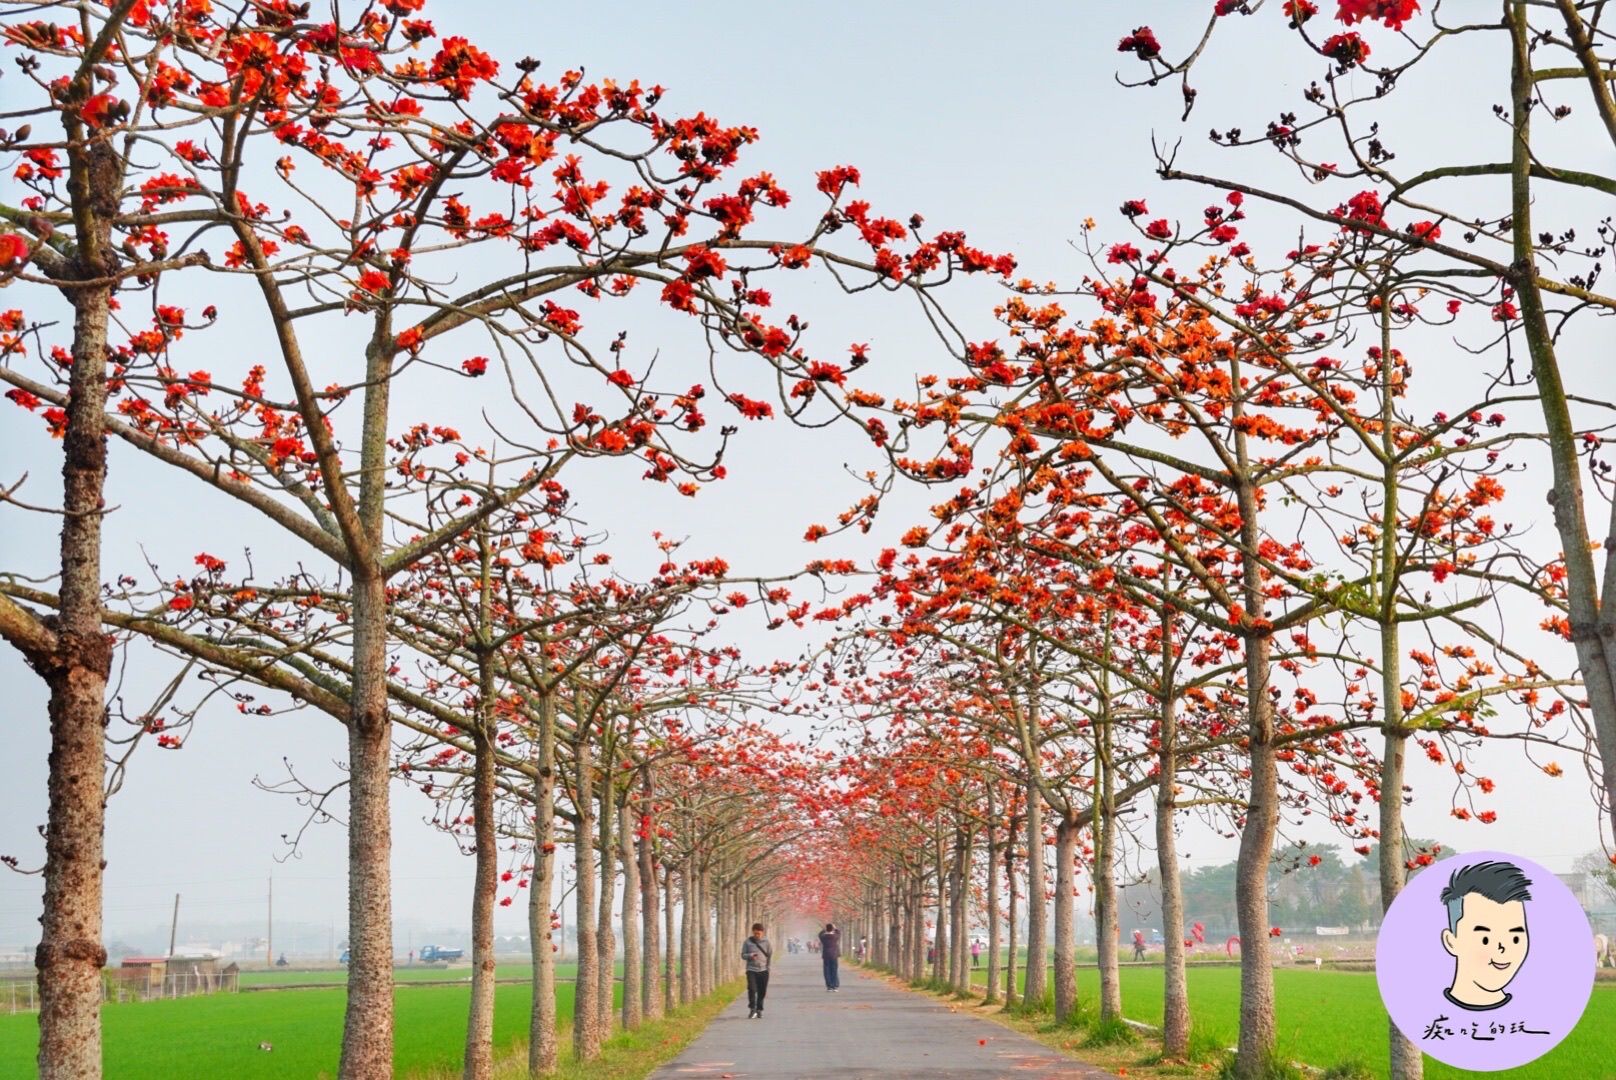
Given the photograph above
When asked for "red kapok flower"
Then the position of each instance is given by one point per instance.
(1348, 50)
(13, 249)
(1299, 11)
(1393, 13)
(1142, 43)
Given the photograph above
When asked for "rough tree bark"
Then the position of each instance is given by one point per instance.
(1106, 937)
(993, 900)
(542, 1047)
(76, 663)
(1010, 883)
(940, 940)
(586, 1030)
(650, 907)
(632, 976)
(1032, 995)
(1257, 1031)
(367, 1040)
(687, 888)
(485, 882)
(1065, 935)
(605, 936)
(1175, 989)
(1593, 622)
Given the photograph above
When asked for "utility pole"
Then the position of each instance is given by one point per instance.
(174, 927)
(269, 931)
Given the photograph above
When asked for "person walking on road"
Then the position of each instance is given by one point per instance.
(756, 952)
(830, 951)
(976, 952)
(1138, 944)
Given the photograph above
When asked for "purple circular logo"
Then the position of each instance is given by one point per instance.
(1485, 961)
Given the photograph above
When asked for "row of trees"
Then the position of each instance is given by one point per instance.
(1218, 531)
(367, 217)
(1229, 556)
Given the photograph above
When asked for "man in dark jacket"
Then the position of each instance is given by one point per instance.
(756, 952)
(830, 951)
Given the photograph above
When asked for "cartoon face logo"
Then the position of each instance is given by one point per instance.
(1486, 934)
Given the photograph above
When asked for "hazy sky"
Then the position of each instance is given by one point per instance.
(1006, 122)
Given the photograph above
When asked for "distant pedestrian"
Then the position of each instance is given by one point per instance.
(830, 952)
(1138, 944)
(976, 952)
(757, 953)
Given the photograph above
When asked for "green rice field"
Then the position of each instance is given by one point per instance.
(219, 1035)
(1329, 1017)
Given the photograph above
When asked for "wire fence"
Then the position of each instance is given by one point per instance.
(20, 996)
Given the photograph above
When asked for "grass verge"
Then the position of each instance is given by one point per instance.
(627, 1055)
(1330, 1022)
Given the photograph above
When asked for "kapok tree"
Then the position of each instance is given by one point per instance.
(79, 251)
(1152, 363)
(1411, 504)
(1496, 236)
(430, 158)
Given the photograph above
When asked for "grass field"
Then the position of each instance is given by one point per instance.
(1328, 1017)
(218, 1036)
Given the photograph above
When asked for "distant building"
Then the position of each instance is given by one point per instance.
(179, 975)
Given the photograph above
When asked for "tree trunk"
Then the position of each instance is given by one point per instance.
(70, 954)
(721, 926)
(955, 930)
(962, 910)
(543, 1046)
(633, 988)
(485, 882)
(367, 1035)
(650, 908)
(586, 1029)
(687, 913)
(940, 937)
(917, 926)
(1257, 1032)
(1593, 623)
(668, 977)
(1065, 936)
(1405, 1059)
(1256, 1045)
(1175, 991)
(605, 937)
(1106, 930)
(1032, 995)
(897, 954)
(704, 934)
(1107, 934)
(993, 902)
(1010, 883)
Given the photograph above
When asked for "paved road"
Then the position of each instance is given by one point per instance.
(868, 1029)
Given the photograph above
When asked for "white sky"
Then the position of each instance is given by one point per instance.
(1007, 123)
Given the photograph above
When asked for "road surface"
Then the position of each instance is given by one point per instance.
(868, 1029)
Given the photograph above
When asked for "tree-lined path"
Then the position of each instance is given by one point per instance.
(408, 426)
(868, 1029)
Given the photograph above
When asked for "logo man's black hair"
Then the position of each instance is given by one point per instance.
(1499, 882)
